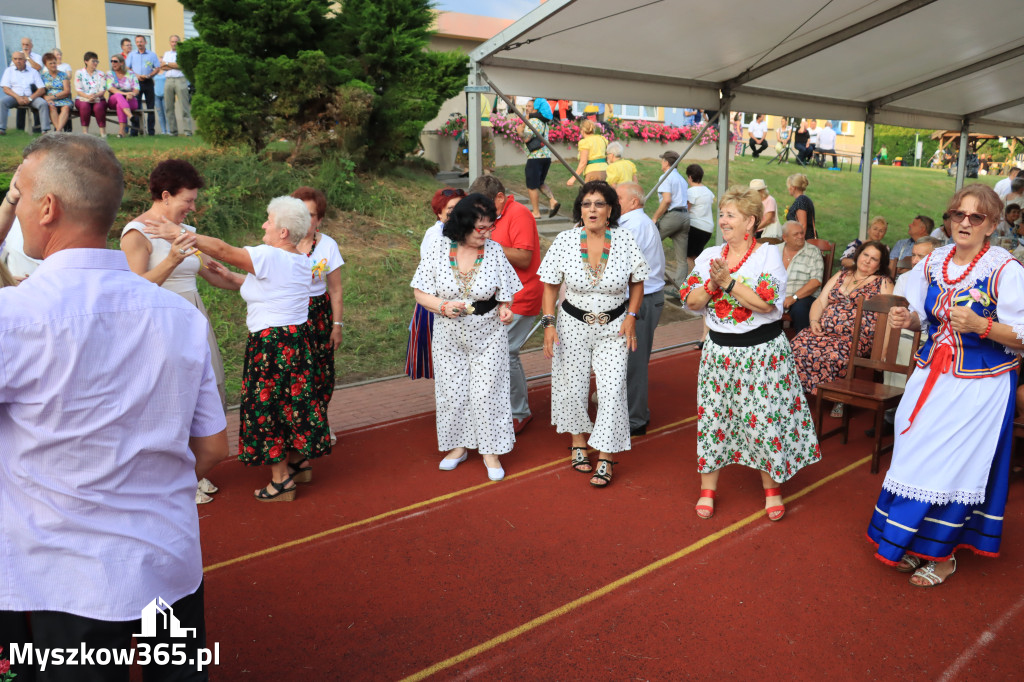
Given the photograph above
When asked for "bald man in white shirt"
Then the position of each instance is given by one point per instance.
(109, 414)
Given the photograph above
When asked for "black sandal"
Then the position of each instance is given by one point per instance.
(299, 473)
(580, 458)
(603, 472)
(283, 494)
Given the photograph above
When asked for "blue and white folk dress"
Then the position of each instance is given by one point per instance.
(947, 485)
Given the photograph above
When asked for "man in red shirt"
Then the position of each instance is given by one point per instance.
(516, 231)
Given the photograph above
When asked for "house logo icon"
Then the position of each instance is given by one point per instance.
(158, 608)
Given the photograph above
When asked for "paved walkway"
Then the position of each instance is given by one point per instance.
(368, 403)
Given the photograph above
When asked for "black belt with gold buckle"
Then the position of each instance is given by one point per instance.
(593, 318)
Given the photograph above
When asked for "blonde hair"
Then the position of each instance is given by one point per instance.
(879, 219)
(797, 181)
(747, 201)
(588, 127)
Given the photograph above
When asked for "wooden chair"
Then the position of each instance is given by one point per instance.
(903, 265)
(769, 240)
(869, 394)
(828, 252)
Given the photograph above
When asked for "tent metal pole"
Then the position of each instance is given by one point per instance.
(695, 140)
(961, 164)
(867, 157)
(476, 162)
(724, 145)
(512, 106)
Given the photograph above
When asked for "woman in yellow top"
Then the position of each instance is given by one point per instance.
(593, 162)
(619, 169)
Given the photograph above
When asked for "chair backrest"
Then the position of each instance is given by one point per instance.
(902, 266)
(769, 240)
(886, 341)
(828, 252)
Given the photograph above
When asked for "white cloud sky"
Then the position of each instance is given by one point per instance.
(504, 9)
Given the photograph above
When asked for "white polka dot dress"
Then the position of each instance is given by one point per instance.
(584, 346)
(470, 354)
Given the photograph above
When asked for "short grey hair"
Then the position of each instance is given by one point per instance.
(936, 243)
(83, 173)
(633, 190)
(290, 214)
(786, 225)
(615, 148)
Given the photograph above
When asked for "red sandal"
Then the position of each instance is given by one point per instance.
(705, 511)
(777, 512)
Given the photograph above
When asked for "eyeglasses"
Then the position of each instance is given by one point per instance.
(975, 219)
(452, 193)
(481, 230)
(115, 61)
(595, 204)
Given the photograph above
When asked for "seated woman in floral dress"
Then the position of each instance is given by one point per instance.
(822, 351)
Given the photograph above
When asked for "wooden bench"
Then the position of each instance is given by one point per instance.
(135, 126)
(841, 157)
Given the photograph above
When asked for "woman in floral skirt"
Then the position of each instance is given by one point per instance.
(280, 422)
(325, 307)
(750, 409)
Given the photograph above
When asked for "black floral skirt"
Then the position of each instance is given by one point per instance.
(321, 324)
(278, 412)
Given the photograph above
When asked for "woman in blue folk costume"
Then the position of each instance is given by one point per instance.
(946, 488)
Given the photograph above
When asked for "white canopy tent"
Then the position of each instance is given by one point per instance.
(940, 64)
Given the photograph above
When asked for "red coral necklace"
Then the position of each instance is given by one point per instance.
(945, 266)
(725, 256)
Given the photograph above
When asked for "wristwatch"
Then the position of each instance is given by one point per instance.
(339, 324)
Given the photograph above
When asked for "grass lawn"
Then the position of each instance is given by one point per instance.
(379, 220)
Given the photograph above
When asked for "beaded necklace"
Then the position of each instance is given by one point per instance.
(725, 255)
(945, 266)
(595, 273)
(465, 279)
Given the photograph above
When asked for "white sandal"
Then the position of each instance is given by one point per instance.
(837, 411)
(909, 563)
(927, 573)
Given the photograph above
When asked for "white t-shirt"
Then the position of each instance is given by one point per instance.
(827, 139)
(433, 232)
(702, 208)
(172, 56)
(1002, 188)
(758, 130)
(326, 259)
(812, 136)
(278, 293)
(675, 185)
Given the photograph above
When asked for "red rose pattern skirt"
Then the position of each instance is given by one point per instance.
(321, 324)
(751, 410)
(279, 412)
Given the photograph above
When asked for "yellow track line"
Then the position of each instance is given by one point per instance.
(411, 507)
(610, 587)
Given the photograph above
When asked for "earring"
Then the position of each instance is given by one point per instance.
(746, 236)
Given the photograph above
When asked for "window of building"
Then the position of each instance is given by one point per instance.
(128, 21)
(35, 20)
(190, 30)
(635, 111)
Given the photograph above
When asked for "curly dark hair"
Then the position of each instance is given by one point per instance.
(883, 258)
(172, 176)
(465, 214)
(610, 197)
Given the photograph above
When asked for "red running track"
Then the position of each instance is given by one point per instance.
(385, 568)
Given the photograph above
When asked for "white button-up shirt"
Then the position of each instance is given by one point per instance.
(103, 378)
(645, 232)
(22, 82)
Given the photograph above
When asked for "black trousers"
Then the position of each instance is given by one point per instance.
(800, 313)
(147, 94)
(757, 148)
(53, 630)
(804, 152)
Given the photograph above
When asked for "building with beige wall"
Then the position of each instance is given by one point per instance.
(78, 26)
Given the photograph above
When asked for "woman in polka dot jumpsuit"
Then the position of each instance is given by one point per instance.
(466, 280)
(601, 267)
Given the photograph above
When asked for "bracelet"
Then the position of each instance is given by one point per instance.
(441, 308)
(547, 321)
(628, 312)
(7, 198)
(732, 283)
(987, 329)
(706, 283)
(339, 324)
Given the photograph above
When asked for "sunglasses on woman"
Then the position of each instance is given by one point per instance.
(452, 193)
(975, 219)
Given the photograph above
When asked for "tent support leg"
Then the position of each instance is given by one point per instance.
(867, 162)
(961, 164)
